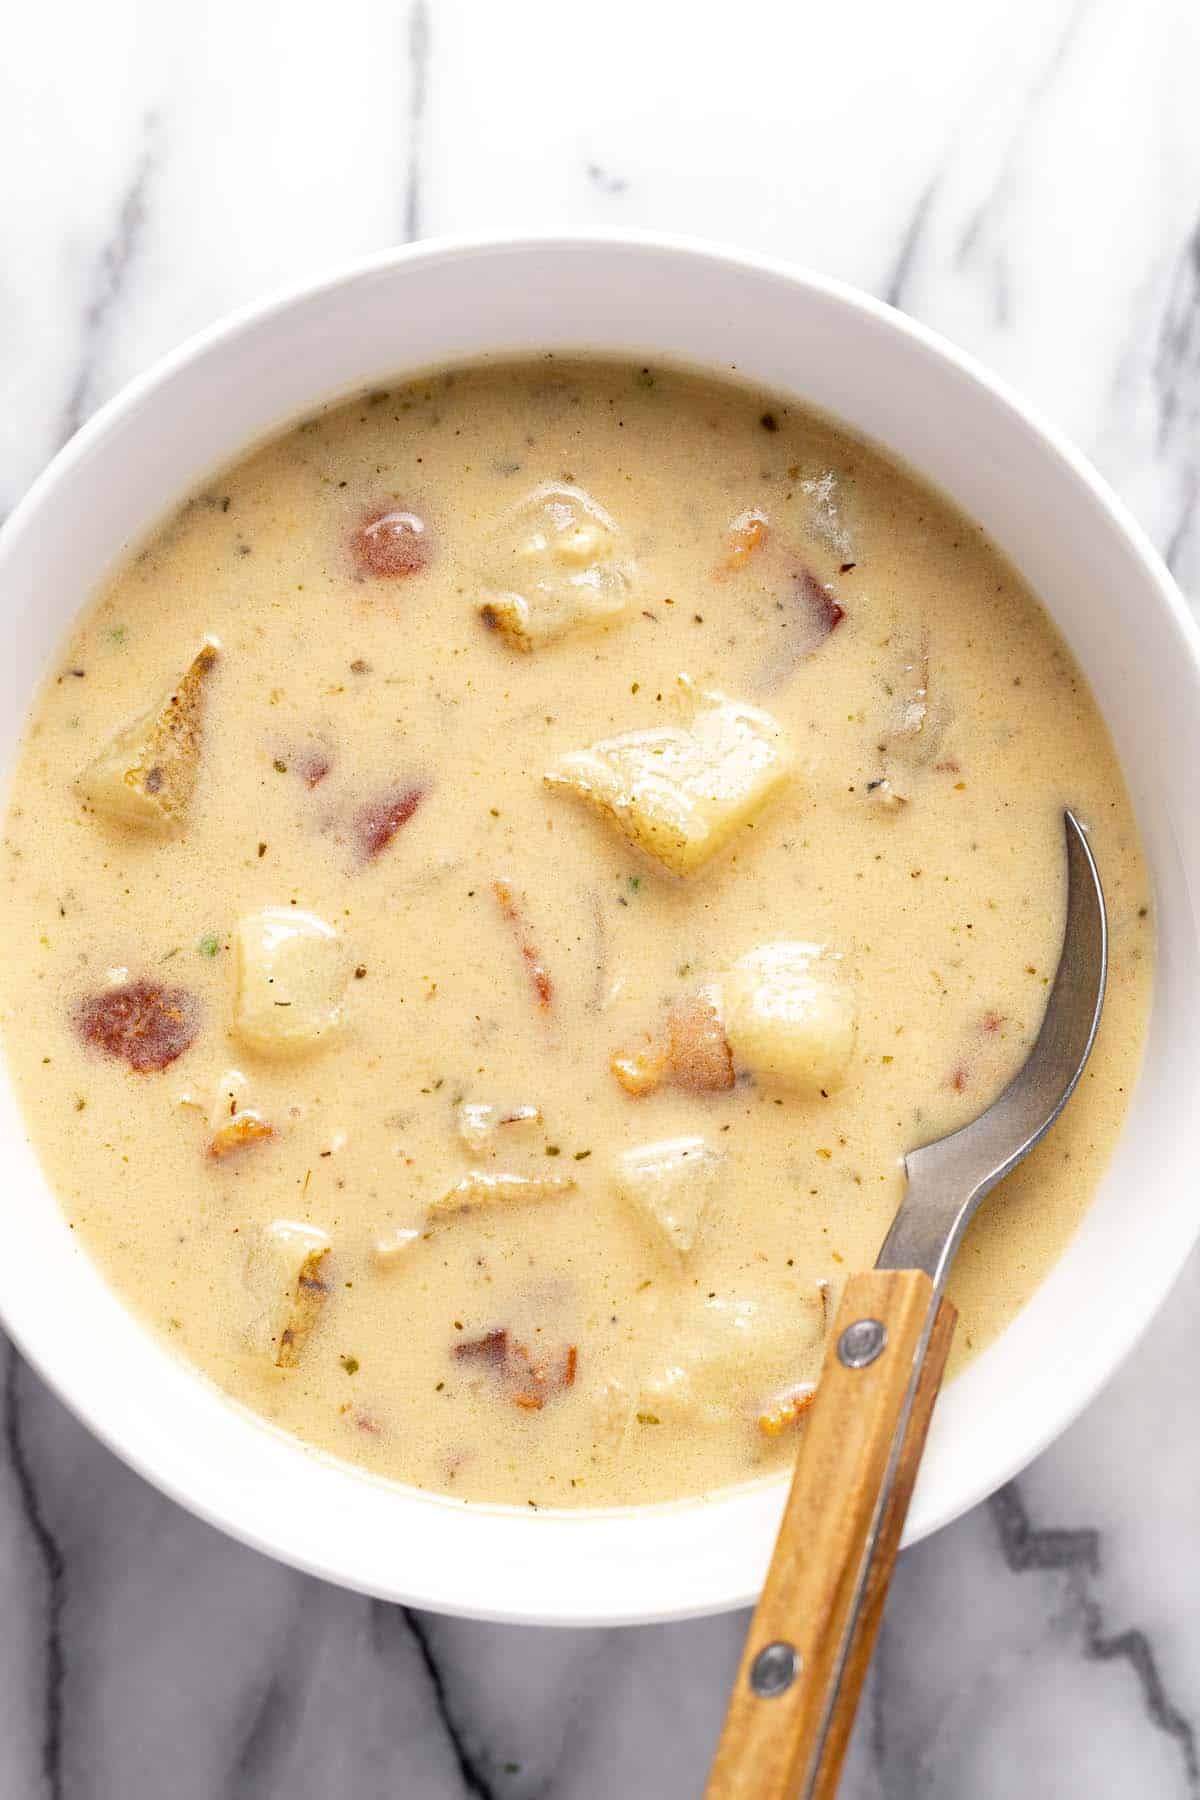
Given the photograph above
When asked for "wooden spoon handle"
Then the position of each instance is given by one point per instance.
(811, 1638)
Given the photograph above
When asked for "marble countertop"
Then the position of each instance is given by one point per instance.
(1022, 174)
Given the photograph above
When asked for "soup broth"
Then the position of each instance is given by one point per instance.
(579, 826)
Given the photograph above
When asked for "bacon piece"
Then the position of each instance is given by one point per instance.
(698, 1050)
(539, 975)
(640, 1071)
(146, 1024)
(693, 1053)
(377, 821)
(491, 1349)
(786, 1409)
(246, 1127)
(312, 764)
(746, 534)
(809, 613)
(530, 1383)
(825, 613)
(391, 544)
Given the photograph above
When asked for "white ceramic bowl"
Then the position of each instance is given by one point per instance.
(800, 335)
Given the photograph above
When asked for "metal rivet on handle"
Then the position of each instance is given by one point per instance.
(774, 1669)
(861, 1343)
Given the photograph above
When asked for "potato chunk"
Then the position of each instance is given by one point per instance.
(291, 974)
(919, 717)
(233, 1123)
(670, 1183)
(611, 1412)
(679, 793)
(725, 1354)
(790, 1016)
(480, 1189)
(308, 1298)
(288, 1280)
(555, 565)
(480, 1122)
(146, 774)
(392, 1246)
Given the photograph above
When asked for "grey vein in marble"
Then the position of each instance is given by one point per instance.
(111, 273)
(472, 1777)
(604, 179)
(50, 1557)
(419, 32)
(1077, 1554)
(1177, 371)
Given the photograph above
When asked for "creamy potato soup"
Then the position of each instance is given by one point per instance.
(496, 884)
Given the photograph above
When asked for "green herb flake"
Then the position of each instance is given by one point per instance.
(279, 766)
(209, 944)
(117, 635)
(350, 1364)
(553, 1150)
(644, 378)
(648, 1419)
(582, 1155)
(635, 882)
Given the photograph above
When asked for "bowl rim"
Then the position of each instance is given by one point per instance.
(992, 390)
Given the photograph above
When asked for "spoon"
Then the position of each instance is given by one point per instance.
(812, 1634)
